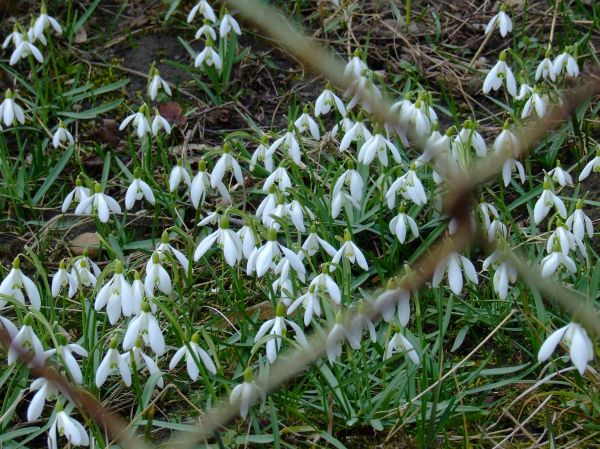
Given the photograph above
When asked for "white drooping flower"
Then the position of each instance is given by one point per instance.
(401, 223)
(226, 239)
(350, 252)
(200, 185)
(137, 190)
(345, 124)
(565, 62)
(305, 123)
(146, 327)
(399, 343)
(355, 66)
(336, 338)
(505, 273)
(500, 74)
(561, 176)
(13, 285)
(363, 91)
(501, 21)
(194, 356)
(261, 154)
(420, 116)
(575, 337)
(327, 100)
(545, 69)
(24, 49)
(68, 427)
(357, 131)
(546, 202)
(289, 144)
(277, 327)
(78, 194)
(164, 249)
(244, 394)
(10, 111)
(536, 103)
(378, 145)
(262, 258)
(349, 179)
(61, 135)
(409, 186)
(362, 320)
(509, 167)
(435, 145)
(206, 30)
(280, 178)
(456, 265)
(204, 8)
(226, 162)
(564, 238)
(158, 123)
(390, 299)
(61, 279)
(65, 351)
(507, 142)
(311, 303)
(139, 120)
(113, 363)
(26, 344)
(467, 140)
(313, 242)
(228, 23)
(155, 83)
(553, 261)
(43, 21)
(179, 174)
(157, 276)
(579, 223)
(98, 202)
(14, 38)
(248, 238)
(81, 275)
(594, 165)
(115, 296)
(45, 391)
(137, 359)
(209, 56)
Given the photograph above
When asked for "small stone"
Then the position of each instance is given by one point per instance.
(87, 240)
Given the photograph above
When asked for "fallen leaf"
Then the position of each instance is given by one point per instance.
(86, 240)
(80, 36)
(171, 111)
(108, 132)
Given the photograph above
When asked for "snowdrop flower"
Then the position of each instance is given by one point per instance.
(68, 427)
(594, 165)
(78, 194)
(579, 223)
(399, 343)
(245, 393)
(336, 338)
(500, 73)
(325, 283)
(44, 20)
(226, 239)
(32, 37)
(206, 30)
(9, 327)
(248, 239)
(534, 103)
(26, 343)
(179, 174)
(487, 212)
(525, 90)
(164, 248)
(204, 8)
(280, 178)
(377, 146)
(305, 123)
(546, 201)
(359, 323)
(575, 337)
(81, 274)
(288, 143)
(200, 185)
(435, 145)
(212, 218)
(566, 62)
(501, 21)
(283, 270)
(507, 143)
(466, 140)
(100, 203)
(401, 223)
(496, 229)
(228, 23)
(226, 162)
(61, 135)
(351, 252)
(262, 258)
(262, 154)
(115, 295)
(159, 122)
(505, 273)
(209, 57)
(65, 352)
(363, 90)
(508, 168)
(190, 351)
(60, 279)
(313, 242)
(138, 190)
(13, 285)
(113, 363)
(45, 391)
(138, 293)
(421, 117)
(268, 205)
(138, 359)
(357, 131)
(551, 262)
(139, 120)
(24, 49)
(409, 186)
(456, 264)
(10, 111)
(277, 327)
(327, 100)
(155, 82)
(390, 299)
(561, 176)
(14, 38)
(545, 69)
(562, 236)
(355, 66)
(310, 302)
(145, 326)
(157, 276)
